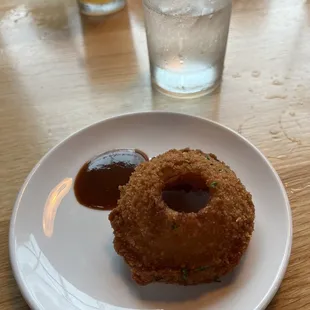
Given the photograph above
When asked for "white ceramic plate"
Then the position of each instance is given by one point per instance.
(62, 254)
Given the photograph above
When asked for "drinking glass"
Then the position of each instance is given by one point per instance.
(187, 44)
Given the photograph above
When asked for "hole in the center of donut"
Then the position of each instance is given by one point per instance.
(187, 194)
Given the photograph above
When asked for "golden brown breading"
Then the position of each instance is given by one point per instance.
(160, 244)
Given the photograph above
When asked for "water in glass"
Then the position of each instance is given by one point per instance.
(187, 44)
(100, 7)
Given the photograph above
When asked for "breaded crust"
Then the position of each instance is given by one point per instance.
(160, 244)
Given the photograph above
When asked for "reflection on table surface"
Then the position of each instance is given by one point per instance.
(61, 71)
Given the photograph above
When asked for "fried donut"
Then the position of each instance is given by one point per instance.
(163, 245)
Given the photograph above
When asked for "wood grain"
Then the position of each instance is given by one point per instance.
(60, 72)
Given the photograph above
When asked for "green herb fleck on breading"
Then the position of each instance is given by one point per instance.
(174, 226)
(184, 273)
(213, 184)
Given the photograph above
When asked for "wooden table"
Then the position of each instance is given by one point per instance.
(60, 72)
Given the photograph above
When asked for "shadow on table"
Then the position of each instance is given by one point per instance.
(206, 106)
(250, 4)
(109, 57)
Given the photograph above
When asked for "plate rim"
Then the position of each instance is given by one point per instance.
(288, 246)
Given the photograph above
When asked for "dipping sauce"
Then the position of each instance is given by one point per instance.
(186, 198)
(96, 185)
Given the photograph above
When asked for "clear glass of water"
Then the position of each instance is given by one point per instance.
(100, 7)
(187, 44)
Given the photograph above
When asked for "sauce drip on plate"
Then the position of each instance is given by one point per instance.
(96, 185)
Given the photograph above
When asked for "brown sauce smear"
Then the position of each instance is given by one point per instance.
(185, 196)
(96, 185)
